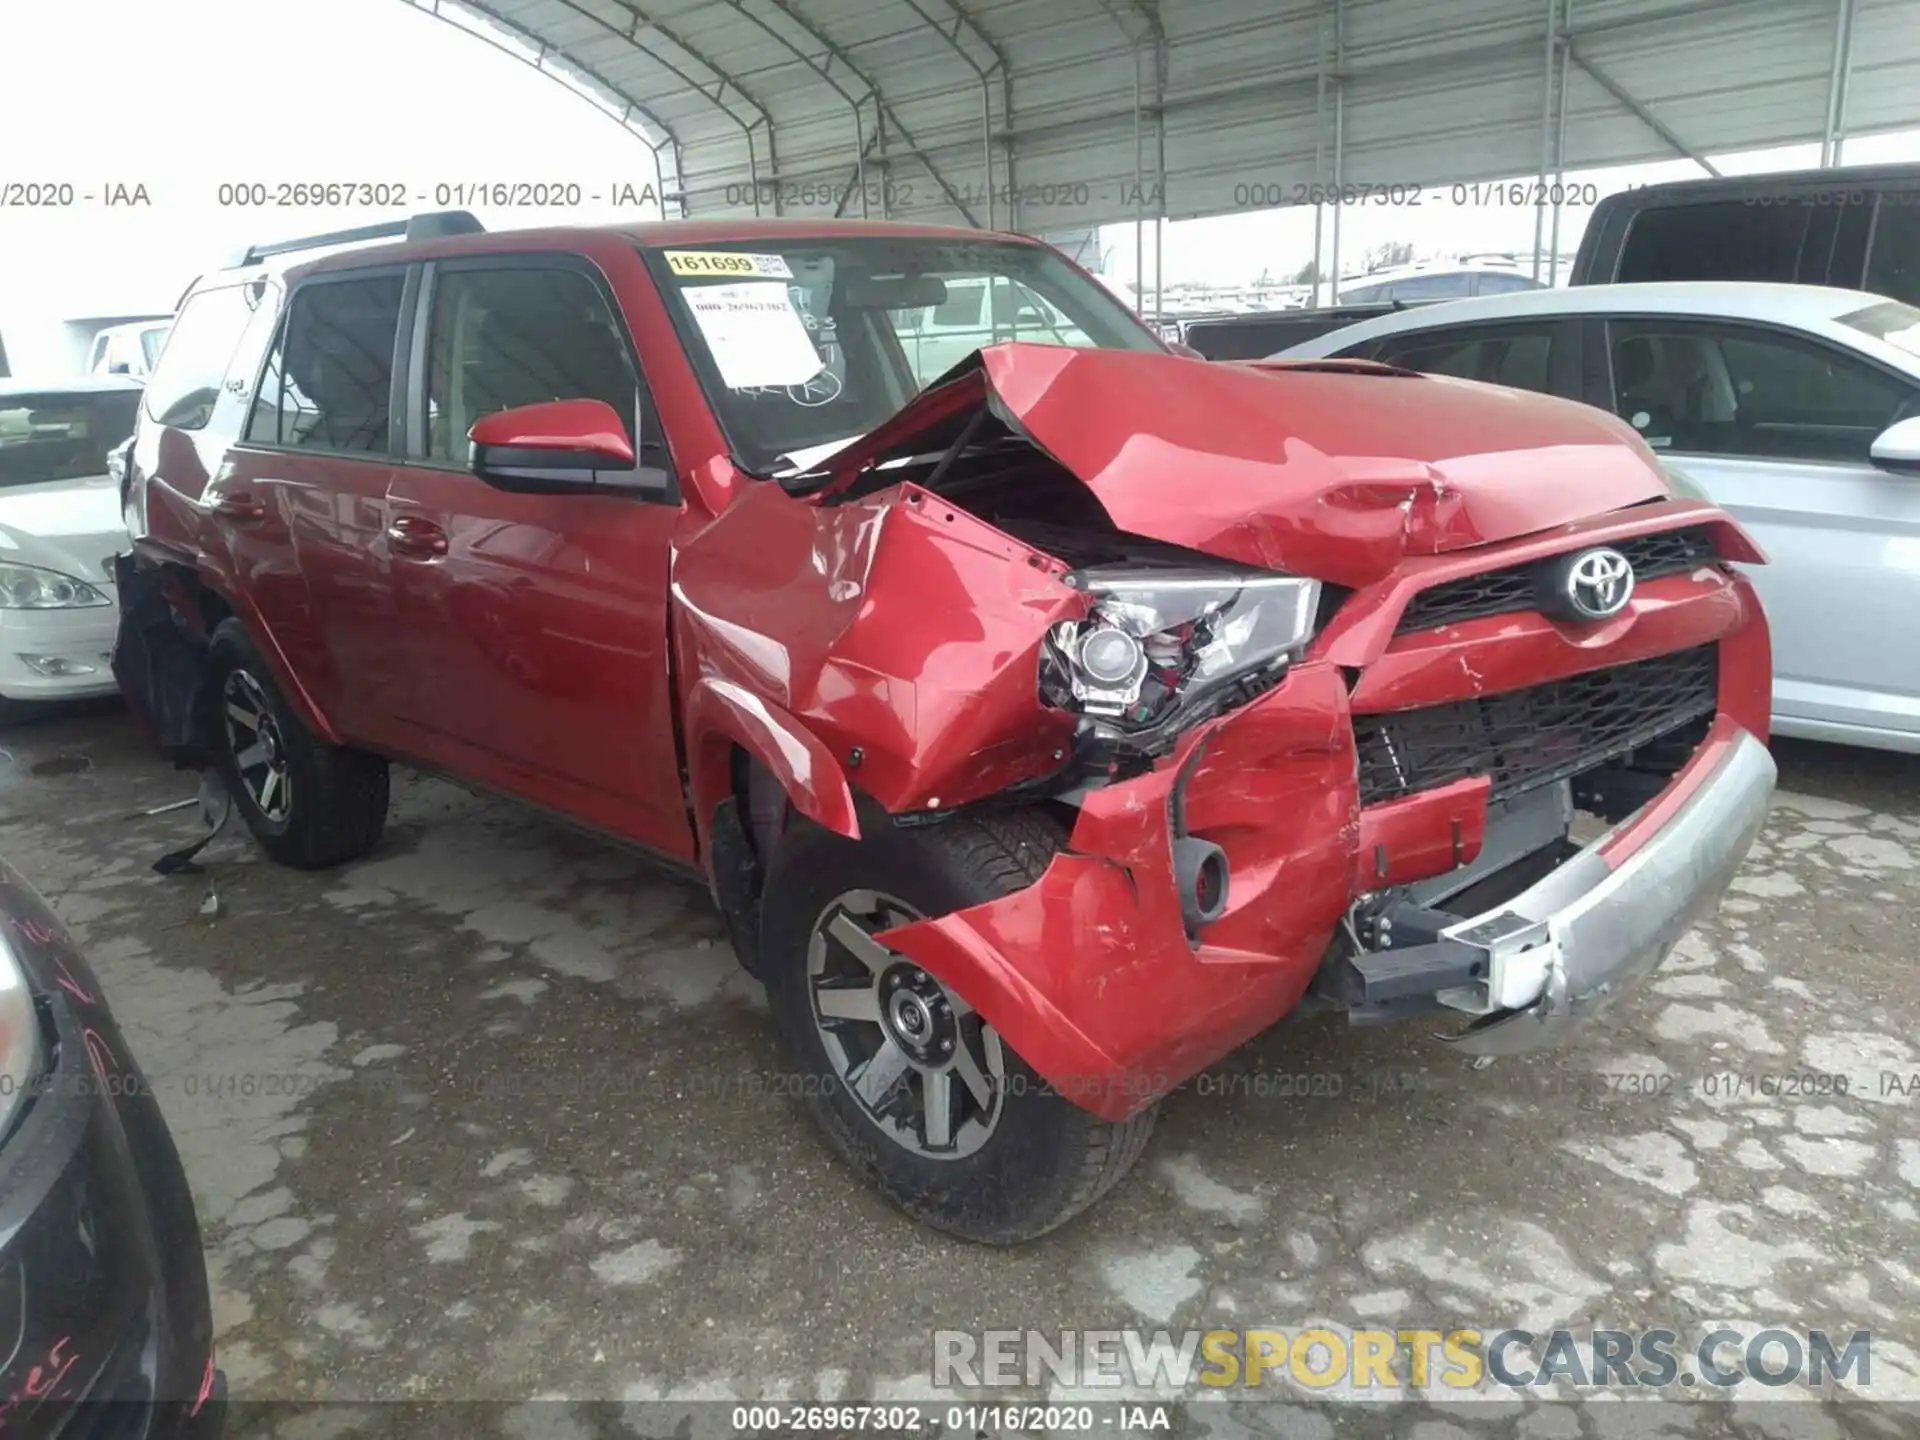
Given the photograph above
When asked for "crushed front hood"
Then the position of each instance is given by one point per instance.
(1331, 470)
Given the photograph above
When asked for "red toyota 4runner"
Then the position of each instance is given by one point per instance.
(1048, 714)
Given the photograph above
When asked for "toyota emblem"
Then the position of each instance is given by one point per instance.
(1599, 583)
(1588, 585)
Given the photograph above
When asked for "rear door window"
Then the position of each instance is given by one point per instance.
(1431, 287)
(1893, 264)
(1720, 240)
(1518, 356)
(1714, 389)
(328, 383)
(183, 390)
(1498, 282)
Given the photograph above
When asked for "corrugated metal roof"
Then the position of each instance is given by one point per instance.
(1055, 115)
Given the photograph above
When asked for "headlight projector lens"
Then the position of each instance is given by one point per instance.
(1110, 656)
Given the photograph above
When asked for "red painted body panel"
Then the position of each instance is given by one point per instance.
(589, 425)
(897, 624)
(1340, 476)
(724, 714)
(603, 657)
(1507, 652)
(1089, 972)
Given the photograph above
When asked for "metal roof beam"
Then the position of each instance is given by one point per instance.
(1308, 76)
(883, 112)
(714, 97)
(1646, 117)
(1838, 77)
(981, 72)
(826, 76)
(542, 49)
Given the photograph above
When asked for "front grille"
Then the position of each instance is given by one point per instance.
(1524, 739)
(1501, 592)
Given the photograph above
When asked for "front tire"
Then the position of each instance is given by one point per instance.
(909, 1083)
(309, 804)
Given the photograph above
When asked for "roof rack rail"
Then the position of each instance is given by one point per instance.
(430, 226)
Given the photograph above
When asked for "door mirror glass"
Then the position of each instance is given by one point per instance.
(1898, 446)
(553, 447)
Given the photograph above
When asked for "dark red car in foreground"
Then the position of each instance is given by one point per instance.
(106, 1323)
(1045, 724)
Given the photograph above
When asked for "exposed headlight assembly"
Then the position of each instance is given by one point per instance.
(27, 587)
(1160, 642)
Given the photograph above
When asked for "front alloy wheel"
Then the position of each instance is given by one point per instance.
(920, 1062)
(907, 1080)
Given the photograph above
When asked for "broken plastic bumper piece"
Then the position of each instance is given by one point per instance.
(1563, 949)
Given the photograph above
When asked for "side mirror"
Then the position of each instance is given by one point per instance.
(120, 367)
(1029, 317)
(1181, 348)
(560, 447)
(1897, 447)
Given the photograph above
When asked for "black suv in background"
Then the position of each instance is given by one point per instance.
(1856, 228)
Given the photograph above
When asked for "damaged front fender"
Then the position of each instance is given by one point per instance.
(899, 633)
(1089, 973)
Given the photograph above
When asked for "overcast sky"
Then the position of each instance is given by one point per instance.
(183, 95)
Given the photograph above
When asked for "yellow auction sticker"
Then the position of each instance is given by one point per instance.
(728, 262)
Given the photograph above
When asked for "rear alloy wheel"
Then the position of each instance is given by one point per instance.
(909, 1081)
(309, 804)
(920, 1061)
(259, 752)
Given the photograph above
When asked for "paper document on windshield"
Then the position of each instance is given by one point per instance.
(805, 458)
(755, 335)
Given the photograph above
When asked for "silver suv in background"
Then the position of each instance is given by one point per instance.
(1794, 407)
(1440, 280)
(132, 349)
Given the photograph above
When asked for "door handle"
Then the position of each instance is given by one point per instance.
(416, 539)
(239, 507)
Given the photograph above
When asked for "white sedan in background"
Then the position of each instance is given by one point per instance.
(1794, 407)
(59, 524)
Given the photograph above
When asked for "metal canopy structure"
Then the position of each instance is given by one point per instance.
(1056, 115)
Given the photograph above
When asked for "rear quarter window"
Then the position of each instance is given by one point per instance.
(1718, 240)
(183, 390)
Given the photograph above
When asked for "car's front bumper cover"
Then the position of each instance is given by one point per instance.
(1569, 944)
(76, 645)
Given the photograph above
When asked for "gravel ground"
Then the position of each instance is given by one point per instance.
(486, 1117)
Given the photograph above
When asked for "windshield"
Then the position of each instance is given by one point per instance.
(1897, 324)
(61, 435)
(803, 346)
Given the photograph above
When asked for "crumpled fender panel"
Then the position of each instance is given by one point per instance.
(1088, 972)
(899, 631)
(160, 669)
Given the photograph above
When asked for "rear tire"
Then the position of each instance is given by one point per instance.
(308, 803)
(1002, 1172)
